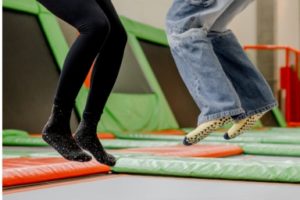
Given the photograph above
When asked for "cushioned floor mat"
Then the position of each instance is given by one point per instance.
(18, 171)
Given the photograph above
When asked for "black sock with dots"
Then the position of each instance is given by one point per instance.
(57, 133)
(86, 138)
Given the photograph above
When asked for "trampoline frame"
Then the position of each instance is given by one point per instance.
(135, 31)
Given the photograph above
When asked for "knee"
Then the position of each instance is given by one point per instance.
(119, 34)
(98, 27)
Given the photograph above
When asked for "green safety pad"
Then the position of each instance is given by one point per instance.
(9, 153)
(27, 153)
(24, 141)
(109, 144)
(14, 133)
(285, 130)
(124, 144)
(22, 138)
(251, 137)
(263, 144)
(235, 169)
(271, 149)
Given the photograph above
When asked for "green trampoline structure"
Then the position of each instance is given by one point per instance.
(261, 164)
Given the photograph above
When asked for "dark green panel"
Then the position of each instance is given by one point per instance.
(176, 93)
(30, 73)
(131, 78)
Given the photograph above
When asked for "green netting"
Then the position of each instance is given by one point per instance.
(212, 168)
(125, 112)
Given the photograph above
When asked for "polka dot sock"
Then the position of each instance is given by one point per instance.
(243, 125)
(86, 138)
(203, 130)
(57, 133)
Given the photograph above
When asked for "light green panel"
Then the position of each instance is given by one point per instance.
(54, 35)
(279, 117)
(144, 31)
(148, 112)
(29, 6)
(124, 112)
(166, 118)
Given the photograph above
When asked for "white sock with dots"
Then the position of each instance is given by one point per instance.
(203, 130)
(243, 125)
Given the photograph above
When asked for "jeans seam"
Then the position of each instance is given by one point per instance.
(265, 108)
(220, 35)
(228, 113)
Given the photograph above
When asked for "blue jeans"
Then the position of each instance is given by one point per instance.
(213, 65)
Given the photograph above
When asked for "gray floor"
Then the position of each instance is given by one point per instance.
(162, 188)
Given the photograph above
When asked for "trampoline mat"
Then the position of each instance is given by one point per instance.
(158, 188)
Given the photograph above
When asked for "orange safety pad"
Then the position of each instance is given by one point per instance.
(87, 81)
(106, 136)
(19, 171)
(293, 124)
(213, 151)
(167, 132)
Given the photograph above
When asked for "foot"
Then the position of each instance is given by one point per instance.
(86, 138)
(57, 134)
(203, 130)
(243, 125)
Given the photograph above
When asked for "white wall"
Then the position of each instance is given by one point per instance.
(153, 12)
(287, 27)
(288, 23)
(245, 26)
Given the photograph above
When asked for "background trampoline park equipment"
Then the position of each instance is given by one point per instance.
(153, 108)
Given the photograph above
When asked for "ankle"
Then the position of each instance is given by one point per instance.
(59, 121)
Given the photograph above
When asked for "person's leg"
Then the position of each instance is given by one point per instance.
(199, 67)
(104, 75)
(254, 92)
(89, 19)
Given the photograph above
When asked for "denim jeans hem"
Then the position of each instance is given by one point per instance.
(266, 108)
(215, 116)
(213, 35)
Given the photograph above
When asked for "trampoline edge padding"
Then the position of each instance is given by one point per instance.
(203, 150)
(275, 171)
(19, 171)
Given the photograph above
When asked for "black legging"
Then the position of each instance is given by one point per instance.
(102, 35)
